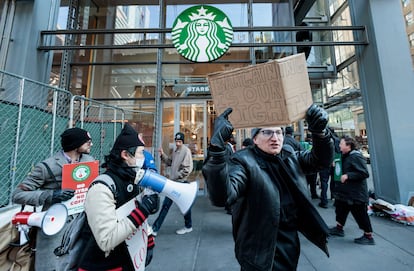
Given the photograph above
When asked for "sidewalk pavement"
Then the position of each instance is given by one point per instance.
(210, 245)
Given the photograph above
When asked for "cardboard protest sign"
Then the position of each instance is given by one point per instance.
(78, 176)
(273, 93)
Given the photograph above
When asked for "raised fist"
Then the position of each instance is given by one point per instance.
(317, 119)
(222, 130)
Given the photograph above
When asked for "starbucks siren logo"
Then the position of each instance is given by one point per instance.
(202, 33)
(81, 173)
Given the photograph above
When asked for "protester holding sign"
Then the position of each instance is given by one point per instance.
(43, 187)
(109, 230)
(265, 184)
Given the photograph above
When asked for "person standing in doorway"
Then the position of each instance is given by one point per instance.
(351, 193)
(181, 163)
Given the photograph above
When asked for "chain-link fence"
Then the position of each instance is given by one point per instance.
(102, 121)
(32, 118)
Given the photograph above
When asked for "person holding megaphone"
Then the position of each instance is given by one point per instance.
(108, 232)
(42, 187)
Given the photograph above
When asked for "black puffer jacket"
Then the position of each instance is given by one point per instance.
(242, 179)
(355, 189)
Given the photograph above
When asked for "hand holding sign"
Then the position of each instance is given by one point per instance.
(62, 195)
(222, 130)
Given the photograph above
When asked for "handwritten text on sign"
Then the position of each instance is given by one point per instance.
(273, 93)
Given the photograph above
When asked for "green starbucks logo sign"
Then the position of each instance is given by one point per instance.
(81, 173)
(202, 33)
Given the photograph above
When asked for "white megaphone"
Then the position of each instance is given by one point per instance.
(51, 221)
(183, 194)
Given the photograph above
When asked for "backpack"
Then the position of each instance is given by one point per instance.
(70, 250)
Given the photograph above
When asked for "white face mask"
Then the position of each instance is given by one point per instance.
(139, 162)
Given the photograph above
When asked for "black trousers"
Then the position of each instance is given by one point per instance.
(358, 211)
(287, 253)
(311, 179)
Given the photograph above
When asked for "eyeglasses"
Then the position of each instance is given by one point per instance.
(270, 133)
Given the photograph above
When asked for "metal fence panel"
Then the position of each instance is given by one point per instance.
(104, 122)
(33, 115)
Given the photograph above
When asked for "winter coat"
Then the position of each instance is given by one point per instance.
(355, 189)
(106, 248)
(290, 140)
(243, 179)
(181, 162)
(37, 190)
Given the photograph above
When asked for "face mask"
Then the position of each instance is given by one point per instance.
(139, 163)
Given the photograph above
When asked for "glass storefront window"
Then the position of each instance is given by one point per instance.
(342, 53)
(334, 5)
(348, 79)
(405, 2)
(274, 14)
(190, 79)
(318, 55)
(62, 17)
(134, 16)
(237, 13)
(262, 14)
(124, 81)
(409, 19)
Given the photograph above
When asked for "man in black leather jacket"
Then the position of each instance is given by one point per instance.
(266, 187)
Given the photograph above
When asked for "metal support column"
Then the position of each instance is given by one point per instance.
(387, 81)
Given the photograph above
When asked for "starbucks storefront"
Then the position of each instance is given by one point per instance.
(152, 59)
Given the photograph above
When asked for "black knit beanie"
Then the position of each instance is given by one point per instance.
(179, 136)
(73, 138)
(128, 138)
(255, 131)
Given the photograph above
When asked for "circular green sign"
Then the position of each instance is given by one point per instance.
(202, 33)
(81, 173)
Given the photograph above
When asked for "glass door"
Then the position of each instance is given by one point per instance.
(189, 118)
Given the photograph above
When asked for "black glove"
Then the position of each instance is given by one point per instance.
(317, 119)
(149, 204)
(62, 195)
(222, 131)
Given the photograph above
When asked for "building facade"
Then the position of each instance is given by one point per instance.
(408, 13)
(122, 53)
